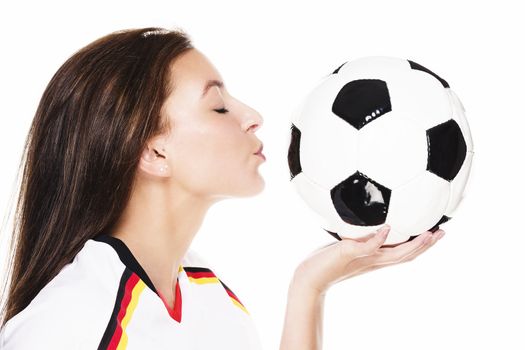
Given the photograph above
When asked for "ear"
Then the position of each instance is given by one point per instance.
(153, 161)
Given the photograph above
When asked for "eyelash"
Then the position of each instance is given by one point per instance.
(221, 110)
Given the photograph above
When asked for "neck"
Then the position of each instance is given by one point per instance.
(158, 226)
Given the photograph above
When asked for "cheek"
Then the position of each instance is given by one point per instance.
(208, 159)
(224, 157)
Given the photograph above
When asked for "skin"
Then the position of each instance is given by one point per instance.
(334, 263)
(205, 157)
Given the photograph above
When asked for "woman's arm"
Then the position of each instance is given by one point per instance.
(303, 323)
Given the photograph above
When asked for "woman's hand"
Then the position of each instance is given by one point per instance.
(350, 257)
(303, 326)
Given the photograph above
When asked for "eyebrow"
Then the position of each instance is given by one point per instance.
(211, 83)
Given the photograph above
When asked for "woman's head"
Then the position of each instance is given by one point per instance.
(209, 148)
(116, 112)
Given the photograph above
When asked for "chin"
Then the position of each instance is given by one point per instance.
(253, 189)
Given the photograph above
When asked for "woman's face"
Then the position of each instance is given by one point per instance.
(207, 152)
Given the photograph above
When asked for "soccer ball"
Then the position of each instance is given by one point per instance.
(380, 140)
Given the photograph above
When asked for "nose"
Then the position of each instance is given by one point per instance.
(253, 120)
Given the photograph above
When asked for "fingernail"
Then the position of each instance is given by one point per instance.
(441, 234)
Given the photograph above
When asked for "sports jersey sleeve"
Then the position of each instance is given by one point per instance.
(38, 335)
(54, 320)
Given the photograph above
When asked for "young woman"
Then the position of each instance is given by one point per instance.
(134, 139)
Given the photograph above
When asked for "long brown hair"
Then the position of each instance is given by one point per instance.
(82, 149)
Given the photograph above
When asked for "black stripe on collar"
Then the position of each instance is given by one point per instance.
(126, 257)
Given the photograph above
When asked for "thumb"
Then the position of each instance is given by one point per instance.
(367, 245)
(377, 239)
(363, 238)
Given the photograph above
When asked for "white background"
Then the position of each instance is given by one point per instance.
(466, 292)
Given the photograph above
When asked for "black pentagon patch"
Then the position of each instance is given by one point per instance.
(417, 66)
(443, 219)
(446, 149)
(294, 162)
(337, 69)
(361, 201)
(334, 235)
(361, 101)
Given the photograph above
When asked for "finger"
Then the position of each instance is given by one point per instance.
(361, 239)
(364, 238)
(368, 247)
(398, 253)
(436, 236)
(380, 260)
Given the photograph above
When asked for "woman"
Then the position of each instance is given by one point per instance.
(134, 139)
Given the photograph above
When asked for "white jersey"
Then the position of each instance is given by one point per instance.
(103, 299)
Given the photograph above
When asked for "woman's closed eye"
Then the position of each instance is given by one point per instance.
(221, 110)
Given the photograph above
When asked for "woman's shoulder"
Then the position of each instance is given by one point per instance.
(72, 309)
(55, 323)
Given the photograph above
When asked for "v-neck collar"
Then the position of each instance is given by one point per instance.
(129, 260)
